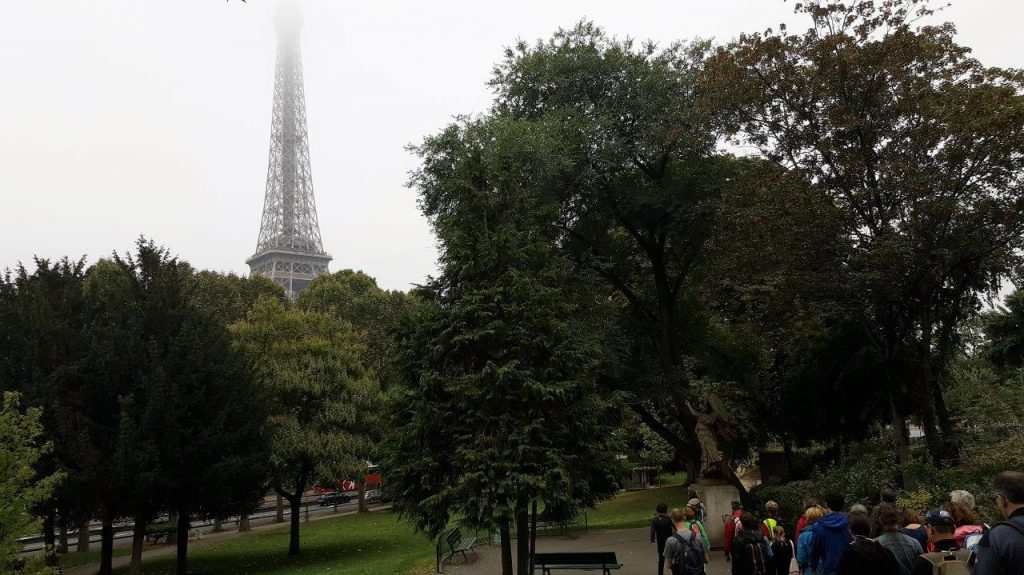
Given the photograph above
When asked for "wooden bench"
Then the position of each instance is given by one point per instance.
(603, 561)
(456, 544)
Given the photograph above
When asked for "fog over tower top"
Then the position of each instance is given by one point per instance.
(289, 249)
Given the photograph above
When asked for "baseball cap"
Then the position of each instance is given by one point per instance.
(737, 505)
(938, 517)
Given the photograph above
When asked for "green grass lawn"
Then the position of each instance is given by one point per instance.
(356, 544)
(373, 543)
(635, 508)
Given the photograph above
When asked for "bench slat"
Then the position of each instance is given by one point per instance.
(586, 558)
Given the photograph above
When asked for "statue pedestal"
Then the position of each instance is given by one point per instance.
(718, 501)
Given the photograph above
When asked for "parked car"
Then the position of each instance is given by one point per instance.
(335, 498)
(372, 495)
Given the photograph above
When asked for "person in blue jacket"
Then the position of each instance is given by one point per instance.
(831, 537)
(803, 545)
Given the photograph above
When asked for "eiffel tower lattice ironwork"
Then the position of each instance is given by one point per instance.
(289, 250)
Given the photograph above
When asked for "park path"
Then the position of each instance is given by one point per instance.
(150, 552)
(632, 547)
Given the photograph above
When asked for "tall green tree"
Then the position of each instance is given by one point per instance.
(42, 349)
(919, 147)
(375, 314)
(633, 172)
(501, 407)
(320, 400)
(211, 430)
(21, 447)
(176, 420)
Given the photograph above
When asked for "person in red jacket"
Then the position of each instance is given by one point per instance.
(802, 522)
(731, 527)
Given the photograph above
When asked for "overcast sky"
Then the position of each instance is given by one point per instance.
(120, 118)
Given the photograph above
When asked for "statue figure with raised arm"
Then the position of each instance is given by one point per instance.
(711, 457)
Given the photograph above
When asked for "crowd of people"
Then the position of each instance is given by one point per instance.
(829, 539)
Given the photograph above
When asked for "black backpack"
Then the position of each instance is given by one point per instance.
(752, 554)
(687, 560)
(698, 512)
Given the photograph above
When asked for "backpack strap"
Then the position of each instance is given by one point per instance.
(1014, 524)
(684, 544)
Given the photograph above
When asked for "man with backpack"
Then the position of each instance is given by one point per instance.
(685, 553)
(732, 527)
(866, 555)
(1001, 550)
(948, 558)
(749, 549)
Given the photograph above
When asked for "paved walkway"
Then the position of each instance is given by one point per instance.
(632, 547)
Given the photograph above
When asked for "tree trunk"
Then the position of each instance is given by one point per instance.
(522, 540)
(181, 563)
(172, 537)
(279, 517)
(506, 548)
(295, 502)
(362, 494)
(899, 427)
(83, 536)
(692, 470)
(243, 523)
(293, 536)
(138, 536)
(218, 525)
(106, 546)
(62, 539)
(49, 538)
(533, 535)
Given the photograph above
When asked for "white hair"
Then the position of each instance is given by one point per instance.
(963, 498)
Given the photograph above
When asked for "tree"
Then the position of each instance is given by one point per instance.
(632, 172)
(307, 365)
(773, 276)
(229, 297)
(354, 297)
(42, 350)
(919, 147)
(174, 410)
(500, 407)
(21, 448)
(1004, 333)
(211, 436)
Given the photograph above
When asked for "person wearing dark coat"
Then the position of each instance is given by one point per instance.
(1001, 550)
(661, 529)
(783, 551)
(864, 554)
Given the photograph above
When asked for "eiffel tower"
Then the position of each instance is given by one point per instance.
(289, 250)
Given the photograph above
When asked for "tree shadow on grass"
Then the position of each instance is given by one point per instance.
(353, 545)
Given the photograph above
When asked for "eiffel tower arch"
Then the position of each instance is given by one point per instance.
(289, 250)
